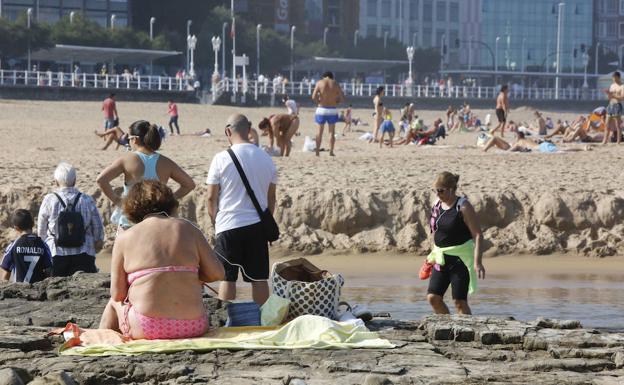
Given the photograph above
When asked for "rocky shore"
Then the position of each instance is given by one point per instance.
(318, 220)
(435, 350)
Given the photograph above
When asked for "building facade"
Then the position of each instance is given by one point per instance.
(421, 23)
(51, 11)
(609, 27)
(526, 32)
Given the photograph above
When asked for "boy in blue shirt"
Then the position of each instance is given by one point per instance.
(27, 259)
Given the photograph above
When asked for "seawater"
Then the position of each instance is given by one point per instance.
(593, 299)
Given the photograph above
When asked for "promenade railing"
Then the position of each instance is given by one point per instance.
(257, 88)
(89, 80)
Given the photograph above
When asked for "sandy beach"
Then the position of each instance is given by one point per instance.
(366, 199)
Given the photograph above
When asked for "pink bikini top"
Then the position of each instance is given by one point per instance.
(142, 273)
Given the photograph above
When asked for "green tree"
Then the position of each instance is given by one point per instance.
(15, 37)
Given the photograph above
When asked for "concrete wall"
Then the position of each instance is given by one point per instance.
(422, 103)
(93, 94)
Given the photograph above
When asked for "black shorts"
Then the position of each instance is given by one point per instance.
(453, 273)
(245, 246)
(66, 265)
(500, 114)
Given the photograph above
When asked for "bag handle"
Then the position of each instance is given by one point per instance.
(245, 182)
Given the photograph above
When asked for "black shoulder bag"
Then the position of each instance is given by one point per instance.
(269, 226)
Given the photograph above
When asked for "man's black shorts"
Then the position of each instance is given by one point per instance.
(245, 246)
(500, 114)
(453, 273)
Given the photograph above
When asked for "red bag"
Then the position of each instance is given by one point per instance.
(425, 270)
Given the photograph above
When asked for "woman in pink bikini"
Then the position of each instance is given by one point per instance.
(157, 270)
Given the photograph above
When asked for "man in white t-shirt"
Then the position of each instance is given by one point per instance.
(240, 241)
(291, 105)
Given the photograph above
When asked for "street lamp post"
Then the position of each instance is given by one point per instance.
(325, 31)
(547, 55)
(71, 16)
(470, 53)
(112, 21)
(292, 49)
(596, 59)
(223, 63)
(216, 45)
(258, 27)
(385, 40)
(559, 33)
(152, 21)
(585, 63)
(443, 54)
(29, 13)
(410, 58)
(496, 59)
(523, 55)
(355, 37)
(188, 33)
(414, 39)
(191, 42)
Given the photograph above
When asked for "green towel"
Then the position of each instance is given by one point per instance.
(305, 332)
(465, 252)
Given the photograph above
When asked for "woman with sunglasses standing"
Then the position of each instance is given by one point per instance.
(143, 163)
(456, 252)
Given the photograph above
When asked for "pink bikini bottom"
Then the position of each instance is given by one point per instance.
(165, 328)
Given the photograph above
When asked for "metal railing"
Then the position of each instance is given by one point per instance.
(85, 80)
(256, 89)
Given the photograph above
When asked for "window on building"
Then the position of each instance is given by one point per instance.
(602, 29)
(622, 7)
(371, 8)
(23, 2)
(49, 3)
(621, 35)
(428, 10)
(72, 3)
(49, 15)
(122, 5)
(371, 30)
(95, 4)
(441, 11)
(386, 8)
(426, 39)
(413, 10)
(611, 28)
(612, 6)
(99, 17)
(454, 12)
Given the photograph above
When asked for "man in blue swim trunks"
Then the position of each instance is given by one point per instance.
(327, 94)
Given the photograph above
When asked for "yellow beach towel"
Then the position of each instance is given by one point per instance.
(305, 332)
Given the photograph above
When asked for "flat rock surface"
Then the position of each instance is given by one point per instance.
(436, 350)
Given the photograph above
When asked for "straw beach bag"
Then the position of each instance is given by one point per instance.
(309, 289)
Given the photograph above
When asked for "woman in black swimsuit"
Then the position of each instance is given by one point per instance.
(453, 223)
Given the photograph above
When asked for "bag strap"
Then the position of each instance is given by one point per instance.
(73, 206)
(245, 182)
(61, 200)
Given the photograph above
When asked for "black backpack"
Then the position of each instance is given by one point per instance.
(70, 228)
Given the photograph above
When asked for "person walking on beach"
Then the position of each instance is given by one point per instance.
(172, 110)
(456, 252)
(240, 241)
(291, 105)
(70, 224)
(327, 94)
(109, 107)
(615, 93)
(502, 109)
(378, 104)
(143, 163)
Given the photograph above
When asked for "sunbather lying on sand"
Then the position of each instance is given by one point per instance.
(524, 144)
(114, 134)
